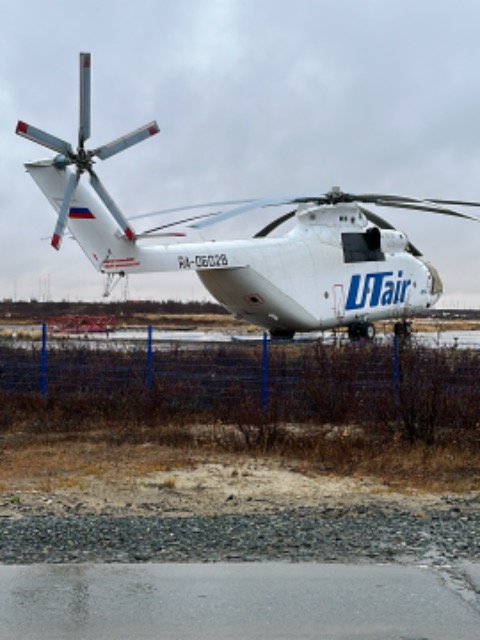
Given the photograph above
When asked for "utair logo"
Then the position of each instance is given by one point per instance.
(376, 289)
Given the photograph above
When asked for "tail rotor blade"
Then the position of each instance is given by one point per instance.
(45, 139)
(112, 207)
(85, 99)
(64, 209)
(108, 150)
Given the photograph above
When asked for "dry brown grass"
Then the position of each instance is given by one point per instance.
(26, 464)
(404, 467)
(66, 464)
(20, 334)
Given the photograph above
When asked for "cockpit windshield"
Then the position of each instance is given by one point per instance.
(437, 285)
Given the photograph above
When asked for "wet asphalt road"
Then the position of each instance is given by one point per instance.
(230, 600)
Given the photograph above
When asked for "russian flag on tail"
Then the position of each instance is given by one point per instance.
(80, 213)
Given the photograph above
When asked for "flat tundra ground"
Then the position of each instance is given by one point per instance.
(95, 479)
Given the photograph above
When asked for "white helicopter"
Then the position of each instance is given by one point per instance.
(340, 265)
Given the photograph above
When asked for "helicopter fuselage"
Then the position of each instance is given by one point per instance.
(320, 275)
(312, 279)
(332, 269)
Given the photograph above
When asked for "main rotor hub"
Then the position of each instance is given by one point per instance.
(336, 195)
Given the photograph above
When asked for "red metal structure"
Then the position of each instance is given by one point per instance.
(82, 324)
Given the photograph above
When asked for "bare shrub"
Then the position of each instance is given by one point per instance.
(437, 393)
(424, 395)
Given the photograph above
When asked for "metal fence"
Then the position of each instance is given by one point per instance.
(60, 366)
(295, 381)
(56, 366)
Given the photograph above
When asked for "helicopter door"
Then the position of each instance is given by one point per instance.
(338, 300)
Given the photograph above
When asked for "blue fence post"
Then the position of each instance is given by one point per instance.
(395, 369)
(43, 362)
(149, 358)
(265, 371)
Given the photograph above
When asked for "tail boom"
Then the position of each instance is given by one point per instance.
(105, 242)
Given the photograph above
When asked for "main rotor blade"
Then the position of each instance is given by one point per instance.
(424, 205)
(377, 220)
(85, 86)
(375, 197)
(108, 201)
(45, 139)
(204, 205)
(463, 203)
(250, 206)
(64, 209)
(176, 222)
(433, 205)
(108, 150)
(274, 224)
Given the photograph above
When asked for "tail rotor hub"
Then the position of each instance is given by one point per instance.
(83, 159)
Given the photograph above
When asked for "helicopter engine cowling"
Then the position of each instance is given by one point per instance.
(393, 241)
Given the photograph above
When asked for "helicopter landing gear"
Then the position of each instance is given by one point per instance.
(281, 334)
(361, 331)
(403, 329)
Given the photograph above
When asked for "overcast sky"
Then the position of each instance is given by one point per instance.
(253, 98)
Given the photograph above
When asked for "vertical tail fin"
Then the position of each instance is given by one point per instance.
(88, 219)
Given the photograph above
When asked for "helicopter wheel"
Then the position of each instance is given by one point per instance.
(361, 330)
(368, 330)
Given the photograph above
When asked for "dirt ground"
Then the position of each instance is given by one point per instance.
(148, 480)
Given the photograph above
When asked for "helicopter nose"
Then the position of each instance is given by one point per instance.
(436, 285)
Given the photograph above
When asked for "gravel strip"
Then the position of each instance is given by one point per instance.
(356, 533)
